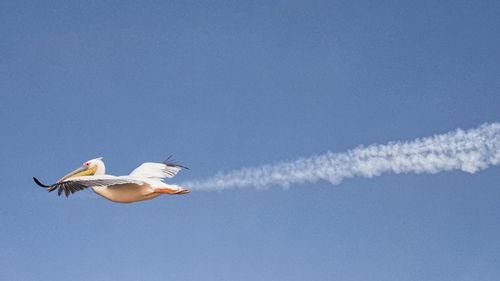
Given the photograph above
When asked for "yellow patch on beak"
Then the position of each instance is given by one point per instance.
(86, 172)
(80, 172)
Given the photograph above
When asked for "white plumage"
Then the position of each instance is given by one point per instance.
(155, 171)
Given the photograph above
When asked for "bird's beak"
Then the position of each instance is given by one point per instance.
(82, 171)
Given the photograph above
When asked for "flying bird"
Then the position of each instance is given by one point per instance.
(144, 183)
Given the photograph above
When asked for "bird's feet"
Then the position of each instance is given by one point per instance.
(182, 191)
(170, 191)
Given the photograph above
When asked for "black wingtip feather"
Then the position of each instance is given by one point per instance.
(170, 162)
(39, 183)
(62, 187)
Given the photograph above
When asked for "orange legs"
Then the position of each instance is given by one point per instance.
(172, 191)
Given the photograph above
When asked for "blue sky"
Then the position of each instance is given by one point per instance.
(223, 85)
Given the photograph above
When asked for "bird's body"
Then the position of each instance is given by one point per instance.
(126, 193)
(144, 183)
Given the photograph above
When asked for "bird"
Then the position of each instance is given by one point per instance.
(143, 183)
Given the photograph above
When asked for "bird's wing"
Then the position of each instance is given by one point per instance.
(157, 171)
(75, 184)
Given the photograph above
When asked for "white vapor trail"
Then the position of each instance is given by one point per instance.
(470, 151)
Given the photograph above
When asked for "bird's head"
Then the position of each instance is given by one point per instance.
(88, 168)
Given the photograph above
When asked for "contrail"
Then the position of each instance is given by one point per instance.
(469, 151)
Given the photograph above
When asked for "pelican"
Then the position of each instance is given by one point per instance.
(144, 183)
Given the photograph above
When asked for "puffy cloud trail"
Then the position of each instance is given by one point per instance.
(469, 151)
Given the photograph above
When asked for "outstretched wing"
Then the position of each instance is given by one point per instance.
(157, 171)
(75, 184)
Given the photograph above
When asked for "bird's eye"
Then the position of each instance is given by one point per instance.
(86, 164)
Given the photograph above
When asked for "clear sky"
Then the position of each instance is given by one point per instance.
(226, 84)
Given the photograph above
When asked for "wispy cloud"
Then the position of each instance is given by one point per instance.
(469, 151)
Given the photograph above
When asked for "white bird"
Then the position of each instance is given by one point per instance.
(144, 183)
